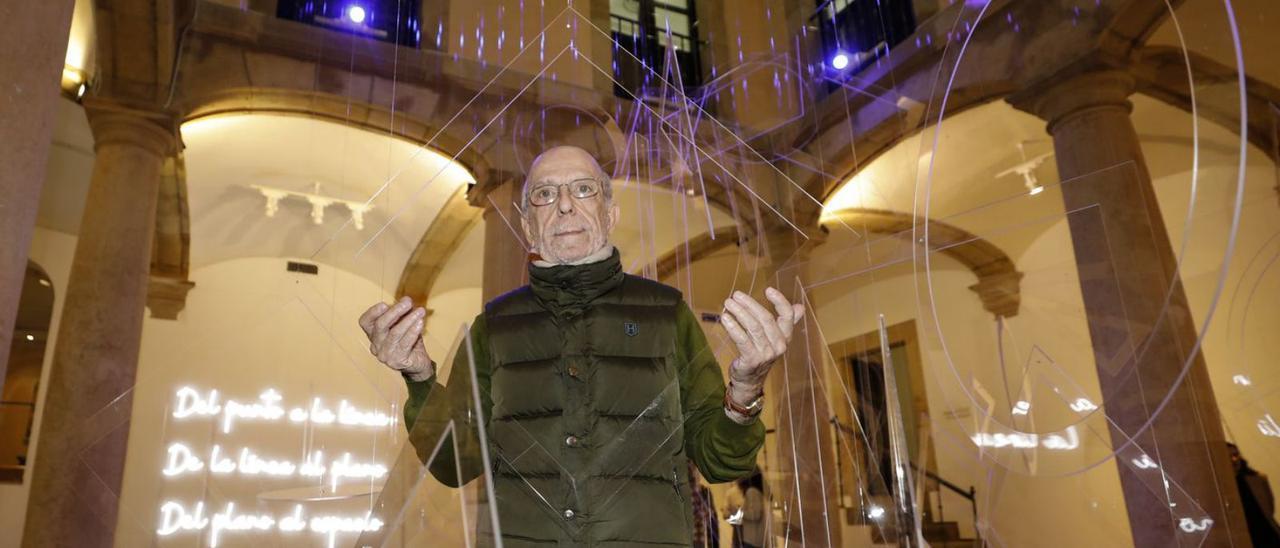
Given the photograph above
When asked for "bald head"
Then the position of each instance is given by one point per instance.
(565, 161)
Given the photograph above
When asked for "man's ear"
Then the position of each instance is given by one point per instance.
(614, 213)
(528, 232)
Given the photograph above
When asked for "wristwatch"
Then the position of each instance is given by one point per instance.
(751, 410)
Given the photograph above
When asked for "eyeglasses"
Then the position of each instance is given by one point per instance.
(547, 194)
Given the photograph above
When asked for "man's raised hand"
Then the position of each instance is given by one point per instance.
(395, 338)
(761, 337)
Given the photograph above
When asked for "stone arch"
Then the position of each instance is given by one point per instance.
(998, 276)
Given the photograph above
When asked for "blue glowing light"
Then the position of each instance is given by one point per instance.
(356, 14)
(840, 61)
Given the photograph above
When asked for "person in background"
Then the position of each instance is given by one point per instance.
(1256, 499)
(746, 511)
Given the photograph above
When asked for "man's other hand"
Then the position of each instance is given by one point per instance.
(760, 336)
(395, 338)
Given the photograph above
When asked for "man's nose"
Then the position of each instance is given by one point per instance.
(564, 202)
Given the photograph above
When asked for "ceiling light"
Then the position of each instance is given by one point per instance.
(840, 61)
(356, 14)
(31, 337)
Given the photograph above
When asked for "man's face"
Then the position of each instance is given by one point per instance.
(569, 228)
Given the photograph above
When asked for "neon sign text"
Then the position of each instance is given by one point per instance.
(176, 519)
(1066, 441)
(1082, 405)
(228, 461)
(1189, 525)
(192, 404)
(1268, 426)
(183, 460)
(1145, 463)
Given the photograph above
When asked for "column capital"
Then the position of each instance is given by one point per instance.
(999, 289)
(1058, 98)
(167, 296)
(491, 180)
(115, 124)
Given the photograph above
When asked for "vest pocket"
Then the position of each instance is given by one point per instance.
(682, 503)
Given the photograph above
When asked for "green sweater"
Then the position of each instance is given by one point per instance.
(722, 449)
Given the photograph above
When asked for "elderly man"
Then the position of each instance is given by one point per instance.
(596, 386)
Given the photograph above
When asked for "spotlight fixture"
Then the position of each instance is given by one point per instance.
(31, 337)
(356, 14)
(840, 61)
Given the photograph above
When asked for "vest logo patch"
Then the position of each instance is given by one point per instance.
(630, 328)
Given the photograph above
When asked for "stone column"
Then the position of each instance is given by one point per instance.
(33, 45)
(79, 462)
(505, 256)
(1139, 320)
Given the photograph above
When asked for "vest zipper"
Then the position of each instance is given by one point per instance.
(685, 506)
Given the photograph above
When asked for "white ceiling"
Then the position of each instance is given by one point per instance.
(949, 173)
(406, 184)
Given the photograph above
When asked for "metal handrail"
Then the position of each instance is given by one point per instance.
(970, 494)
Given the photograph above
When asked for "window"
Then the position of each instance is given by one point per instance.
(855, 33)
(641, 42)
(22, 376)
(395, 21)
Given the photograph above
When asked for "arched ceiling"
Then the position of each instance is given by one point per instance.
(954, 168)
(974, 146)
(407, 186)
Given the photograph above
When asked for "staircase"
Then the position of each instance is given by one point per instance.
(938, 534)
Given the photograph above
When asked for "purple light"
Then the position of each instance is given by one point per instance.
(356, 14)
(840, 61)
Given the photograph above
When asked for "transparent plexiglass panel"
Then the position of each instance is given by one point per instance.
(1010, 337)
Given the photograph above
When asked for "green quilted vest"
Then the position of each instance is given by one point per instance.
(586, 424)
